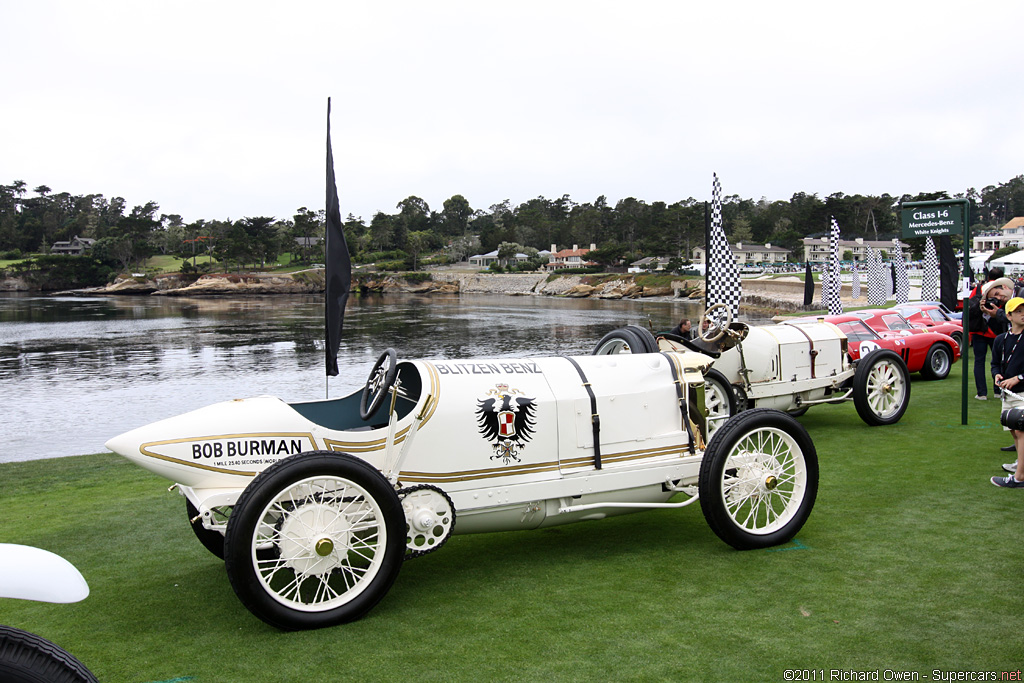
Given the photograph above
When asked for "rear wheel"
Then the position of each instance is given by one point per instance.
(938, 362)
(315, 540)
(758, 479)
(881, 388)
(629, 339)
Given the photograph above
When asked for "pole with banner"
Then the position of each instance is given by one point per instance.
(945, 217)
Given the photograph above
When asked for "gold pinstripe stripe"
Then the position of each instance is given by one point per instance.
(145, 449)
(378, 444)
(535, 468)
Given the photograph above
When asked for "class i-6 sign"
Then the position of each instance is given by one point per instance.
(928, 221)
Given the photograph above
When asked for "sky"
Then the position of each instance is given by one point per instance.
(217, 110)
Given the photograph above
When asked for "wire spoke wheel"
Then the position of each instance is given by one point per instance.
(328, 533)
(758, 479)
(318, 541)
(765, 481)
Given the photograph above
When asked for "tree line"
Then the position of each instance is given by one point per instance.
(31, 221)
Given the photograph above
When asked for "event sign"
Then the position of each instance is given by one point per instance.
(929, 221)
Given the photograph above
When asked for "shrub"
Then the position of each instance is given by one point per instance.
(400, 264)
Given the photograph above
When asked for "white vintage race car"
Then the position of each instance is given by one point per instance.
(314, 506)
(789, 367)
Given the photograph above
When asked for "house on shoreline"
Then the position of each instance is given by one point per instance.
(568, 258)
(73, 247)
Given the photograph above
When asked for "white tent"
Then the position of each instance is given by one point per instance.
(978, 259)
(1012, 264)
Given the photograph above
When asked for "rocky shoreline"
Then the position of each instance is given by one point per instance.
(780, 295)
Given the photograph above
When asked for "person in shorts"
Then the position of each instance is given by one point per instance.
(1008, 374)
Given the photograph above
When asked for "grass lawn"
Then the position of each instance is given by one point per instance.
(170, 263)
(910, 561)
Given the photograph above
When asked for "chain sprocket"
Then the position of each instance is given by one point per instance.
(429, 519)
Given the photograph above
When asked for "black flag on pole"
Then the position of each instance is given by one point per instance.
(808, 287)
(339, 266)
(949, 286)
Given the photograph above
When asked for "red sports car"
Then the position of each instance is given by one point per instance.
(930, 353)
(933, 318)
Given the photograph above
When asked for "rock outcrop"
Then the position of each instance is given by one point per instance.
(777, 294)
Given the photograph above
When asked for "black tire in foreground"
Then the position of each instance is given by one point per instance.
(758, 479)
(28, 658)
(881, 388)
(316, 539)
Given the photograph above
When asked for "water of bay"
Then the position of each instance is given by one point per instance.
(76, 371)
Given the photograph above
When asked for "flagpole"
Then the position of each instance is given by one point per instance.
(327, 250)
(338, 264)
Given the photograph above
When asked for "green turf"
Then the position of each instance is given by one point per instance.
(910, 561)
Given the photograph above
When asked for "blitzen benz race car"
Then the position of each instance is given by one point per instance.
(315, 506)
(788, 367)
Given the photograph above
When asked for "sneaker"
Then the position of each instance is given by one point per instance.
(1008, 482)
(1009, 449)
(1010, 467)
(981, 397)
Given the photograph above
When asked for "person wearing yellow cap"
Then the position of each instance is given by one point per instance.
(1008, 375)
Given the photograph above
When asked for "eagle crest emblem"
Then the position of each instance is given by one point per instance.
(506, 419)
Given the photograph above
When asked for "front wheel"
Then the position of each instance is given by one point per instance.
(758, 479)
(881, 388)
(315, 540)
(938, 362)
(28, 658)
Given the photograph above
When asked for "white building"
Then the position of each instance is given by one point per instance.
(1010, 235)
(816, 248)
(750, 253)
(568, 258)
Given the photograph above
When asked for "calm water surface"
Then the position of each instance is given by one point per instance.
(76, 371)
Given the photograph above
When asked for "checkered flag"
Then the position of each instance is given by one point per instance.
(902, 283)
(831, 289)
(855, 283)
(723, 276)
(930, 278)
(878, 289)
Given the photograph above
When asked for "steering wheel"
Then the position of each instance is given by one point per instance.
(380, 381)
(718, 317)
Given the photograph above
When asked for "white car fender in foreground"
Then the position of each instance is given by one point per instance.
(29, 573)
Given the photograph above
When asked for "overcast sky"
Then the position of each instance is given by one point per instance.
(217, 110)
